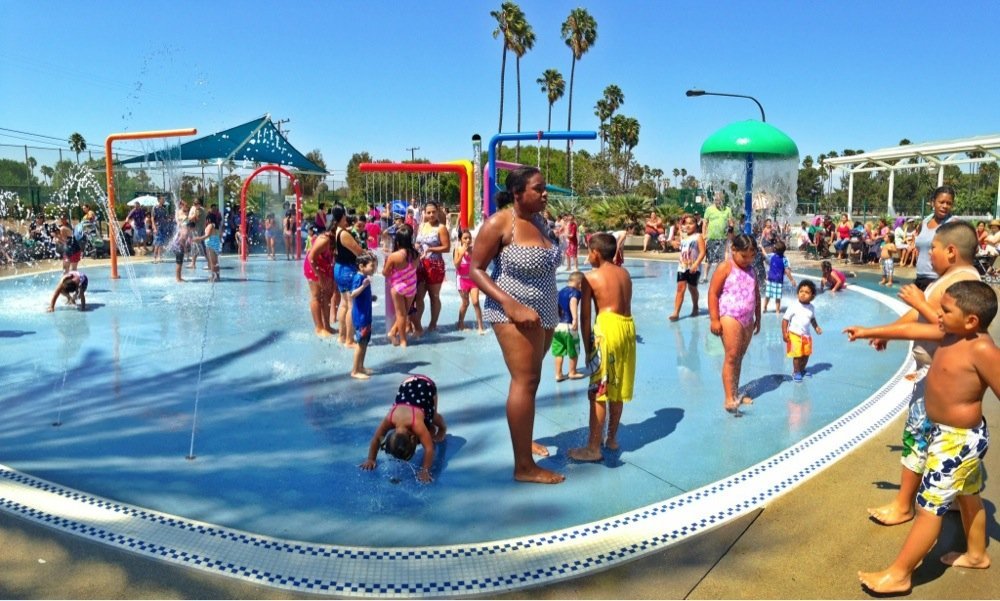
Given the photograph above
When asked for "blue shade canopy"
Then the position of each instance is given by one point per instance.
(255, 141)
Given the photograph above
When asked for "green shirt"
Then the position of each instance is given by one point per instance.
(717, 220)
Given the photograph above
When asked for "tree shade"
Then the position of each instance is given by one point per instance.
(257, 141)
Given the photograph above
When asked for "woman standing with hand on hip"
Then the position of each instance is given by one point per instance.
(522, 304)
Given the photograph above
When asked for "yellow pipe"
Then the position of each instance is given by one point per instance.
(470, 210)
(108, 170)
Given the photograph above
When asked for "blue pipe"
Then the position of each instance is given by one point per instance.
(748, 197)
(491, 175)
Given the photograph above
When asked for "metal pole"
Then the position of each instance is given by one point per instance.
(748, 197)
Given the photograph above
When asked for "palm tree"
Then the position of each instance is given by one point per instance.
(47, 173)
(524, 40)
(504, 17)
(602, 110)
(579, 31)
(32, 163)
(77, 144)
(677, 174)
(614, 97)
(554, 86)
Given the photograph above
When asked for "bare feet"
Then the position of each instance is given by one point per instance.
(360, 375)
(695, 313)
(884, 583)
(585, 454)
(482, 332)
(369, 371)
(539, 475)
(746, 400)
(962, 560)
(733, 407)
(323, 333)
(576, 376)
(611, 443)
(674, 317)
(890, 514)
(538, 449)
(560, 378)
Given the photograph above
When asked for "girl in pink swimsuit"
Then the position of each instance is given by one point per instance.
(467, 289)
(400, 271)
(318, 270)
(734, 308)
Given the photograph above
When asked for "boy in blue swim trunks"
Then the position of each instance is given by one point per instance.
(964, 365)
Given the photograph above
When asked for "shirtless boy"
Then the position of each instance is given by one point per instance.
(610, 345)
(951, 254)
(964, 365)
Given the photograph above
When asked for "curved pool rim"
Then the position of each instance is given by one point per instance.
(453, 570)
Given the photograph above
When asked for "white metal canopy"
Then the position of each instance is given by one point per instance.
(928, 155)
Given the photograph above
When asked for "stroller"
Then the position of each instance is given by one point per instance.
(91, 241)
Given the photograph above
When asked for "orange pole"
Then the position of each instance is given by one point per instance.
(108, 170)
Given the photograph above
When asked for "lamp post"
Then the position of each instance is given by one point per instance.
(696, 92)
(748, 194)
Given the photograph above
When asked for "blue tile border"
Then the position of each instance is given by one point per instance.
(455, 570)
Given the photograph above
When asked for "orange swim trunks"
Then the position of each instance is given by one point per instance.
(798, 346)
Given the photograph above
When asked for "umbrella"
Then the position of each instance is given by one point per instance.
(146, 200)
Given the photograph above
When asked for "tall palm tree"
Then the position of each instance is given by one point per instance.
(603, 112)
(677, 173)
(554, 86)
(579, 31)
(77, 144)
(614, 97)
(32, 163)
(504, 17)
(47, 173)
(524, 40)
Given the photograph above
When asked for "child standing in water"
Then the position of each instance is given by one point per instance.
(566, 338)
(795, 328)
(688, 265)
(888, 262)
(610, 345)
(269, 232)
(467, 289)
(963, 367)
(412, 418)
(734, 309)
(777, 271)
(400, 272)
(73, 285)
(361, 312)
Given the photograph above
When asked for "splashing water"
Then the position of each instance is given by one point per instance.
(80, 185)
(775, 181)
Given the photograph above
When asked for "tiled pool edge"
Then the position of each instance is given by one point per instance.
(457, 570)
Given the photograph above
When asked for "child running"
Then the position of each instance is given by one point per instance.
(412, 418)
(361, 312)
(610, 345)
(887, 259)
(964, 365)
(400, 272)
(689, 265)
(734, 310)
(795, 328)
(467, 289)
(777, 271)
(72, 285)
(832, 278)
(566, 337)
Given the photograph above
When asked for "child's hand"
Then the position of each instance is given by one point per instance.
(819, 330)
(853, 332)
(424, 475)
(786, 338)
(716, 327)
(368, 465)
(911, 295)
(878, 344)
(756, 327)
(50, 309)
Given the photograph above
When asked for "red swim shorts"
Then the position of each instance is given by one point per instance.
(432, 272)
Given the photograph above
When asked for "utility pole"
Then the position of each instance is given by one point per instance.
(278, 124)
(412, 157)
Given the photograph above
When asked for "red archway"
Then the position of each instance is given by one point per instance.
(244, 249)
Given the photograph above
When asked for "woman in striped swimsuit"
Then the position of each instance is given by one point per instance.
(522, 303)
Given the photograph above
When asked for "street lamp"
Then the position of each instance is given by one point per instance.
(697, 92)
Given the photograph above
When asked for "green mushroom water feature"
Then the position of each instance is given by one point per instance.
(752, 162)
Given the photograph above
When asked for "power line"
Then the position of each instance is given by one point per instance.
(28, 133)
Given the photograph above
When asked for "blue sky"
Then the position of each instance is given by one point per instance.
(381, 77)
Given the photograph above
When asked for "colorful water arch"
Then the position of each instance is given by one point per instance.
(463, 168)
(244, 248)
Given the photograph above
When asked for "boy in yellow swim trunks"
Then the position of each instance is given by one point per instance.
(610, 345)
(964, 365)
